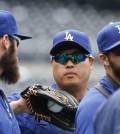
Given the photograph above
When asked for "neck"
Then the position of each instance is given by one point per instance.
(78, 92)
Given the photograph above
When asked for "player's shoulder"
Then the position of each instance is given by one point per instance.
(116, 96)
(91, 100)
(92, 96)
(114, 100)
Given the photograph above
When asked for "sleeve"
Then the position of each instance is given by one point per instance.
(84, 120)
(26, 122)
(85, 114)
(13, 97)
(106, 120)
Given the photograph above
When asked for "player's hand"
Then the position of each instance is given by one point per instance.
(20, 106)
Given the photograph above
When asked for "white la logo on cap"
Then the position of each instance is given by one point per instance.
(118, 26)
(68, 36)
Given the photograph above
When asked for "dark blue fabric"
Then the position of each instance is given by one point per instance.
(28, 125)
(107, 119)
(8, 122)
(88, 106)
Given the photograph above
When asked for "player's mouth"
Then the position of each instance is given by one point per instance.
(70, 74)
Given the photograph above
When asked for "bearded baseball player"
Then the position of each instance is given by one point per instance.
(108, 41)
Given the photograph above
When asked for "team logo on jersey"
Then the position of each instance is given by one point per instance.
(68, 36)
(118, 26)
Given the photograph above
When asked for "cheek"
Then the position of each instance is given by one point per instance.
(58, 71)
(84, 70)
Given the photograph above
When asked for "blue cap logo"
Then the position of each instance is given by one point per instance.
(68, 36)
(118, 26)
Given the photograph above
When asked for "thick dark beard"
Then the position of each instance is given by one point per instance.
(10, 67)
(115, 68)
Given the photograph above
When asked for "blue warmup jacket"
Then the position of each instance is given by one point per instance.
(8, 122)
(28, 125)
(107, 119)
(89, 105)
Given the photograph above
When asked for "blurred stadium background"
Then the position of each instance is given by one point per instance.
(43, 19)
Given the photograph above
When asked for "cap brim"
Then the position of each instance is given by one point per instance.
(23, 37)
(114, 45)
(66, 45)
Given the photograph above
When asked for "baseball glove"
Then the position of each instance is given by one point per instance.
(51, 105)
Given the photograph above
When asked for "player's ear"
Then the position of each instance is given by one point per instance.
(51, 59)
(104, 59)
(5, 41)
(91, 62)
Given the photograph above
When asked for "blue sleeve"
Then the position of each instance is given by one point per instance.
(84, 120)
(14, 97)
(86, 111)
(107, 117)
(26, 122)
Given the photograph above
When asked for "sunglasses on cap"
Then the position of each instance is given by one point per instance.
(15, 38)
(77, 57)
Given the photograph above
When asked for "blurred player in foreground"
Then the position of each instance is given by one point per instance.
(109, 47)
(107, 119)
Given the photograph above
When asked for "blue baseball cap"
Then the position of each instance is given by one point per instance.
(70, 39)
(8, 25)
(109, 37)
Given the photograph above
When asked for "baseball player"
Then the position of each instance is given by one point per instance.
(108, 41)
(9, 70)
(72, 62)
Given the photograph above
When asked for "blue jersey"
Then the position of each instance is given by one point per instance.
(88, 106)
(8, 122)
(28, 125)
(107, 118)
